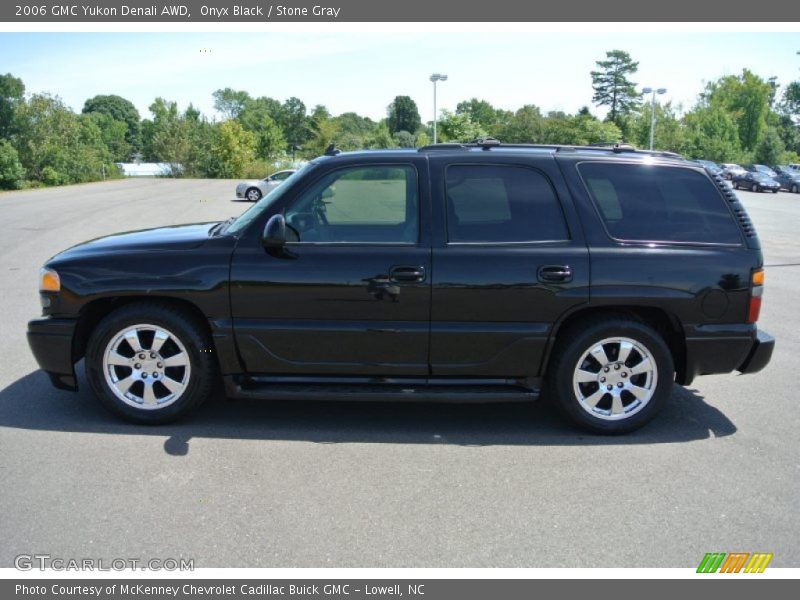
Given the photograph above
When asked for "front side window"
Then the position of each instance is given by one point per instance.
(649, 203)
(281, 175)
(376, 204)
(501, 204)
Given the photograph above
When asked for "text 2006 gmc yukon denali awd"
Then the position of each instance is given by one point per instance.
(482, 271)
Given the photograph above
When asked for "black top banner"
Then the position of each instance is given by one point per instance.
(461, 11)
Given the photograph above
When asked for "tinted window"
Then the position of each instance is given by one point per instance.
(487, 203)
(360, 204)
(650, 203)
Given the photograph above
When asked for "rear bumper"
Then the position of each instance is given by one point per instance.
(51, 343)
(722, 348)
(760, 353)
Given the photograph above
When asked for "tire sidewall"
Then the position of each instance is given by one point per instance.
(196, 347)
(247, 194)
(560, 377)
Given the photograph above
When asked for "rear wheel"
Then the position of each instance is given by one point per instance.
(611, 375)
(253, 194)
(150, 363)
(794, 189)
(755, 188)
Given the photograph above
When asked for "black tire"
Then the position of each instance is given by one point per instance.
(755, 188)
(190, 331)
(775, 191)
(253, 194)
(794, 189)
(571, 346)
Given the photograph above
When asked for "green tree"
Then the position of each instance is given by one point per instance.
(326, 132)
(404, 139)
(230, 102)
(458, 128)
(380, 137)
(711, 134)
(612, 85)
(232, 149)
(12, 173)
(403, 115)
(526, 126)
(57, 146)
(294, 122)
(769, 149)
(579, 130)
(256, 117)
(12, 92)
(119, 109)
(114, 135)
(669, 132)
(746, 97)
(479, 111)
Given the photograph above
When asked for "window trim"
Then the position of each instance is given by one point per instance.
(566, 241)
(657, 243)
(311, 184)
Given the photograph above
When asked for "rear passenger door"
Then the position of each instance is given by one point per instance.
(509, 259)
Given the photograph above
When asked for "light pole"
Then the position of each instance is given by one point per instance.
(434, 78)
(654, 91)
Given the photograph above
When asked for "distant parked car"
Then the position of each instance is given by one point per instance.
(788, 178)
(730, 170)
(711, 167)
(756, 181)
(761, 169)
(254, 190)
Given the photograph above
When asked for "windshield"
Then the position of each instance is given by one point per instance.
(259, 207)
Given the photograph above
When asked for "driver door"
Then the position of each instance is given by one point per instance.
(351, 293)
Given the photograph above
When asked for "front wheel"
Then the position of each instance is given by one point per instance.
(794, 189)
(150, 363)
(253, 194)
(611, 375)
(755, 188)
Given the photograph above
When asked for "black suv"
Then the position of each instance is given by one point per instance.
(476, 272)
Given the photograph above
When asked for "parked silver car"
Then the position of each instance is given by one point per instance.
(254, 190)
(731, 170)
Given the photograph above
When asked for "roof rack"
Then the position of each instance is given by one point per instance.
(489, 143)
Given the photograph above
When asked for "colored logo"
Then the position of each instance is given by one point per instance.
(735, 562)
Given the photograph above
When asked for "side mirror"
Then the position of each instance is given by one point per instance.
(274, 232)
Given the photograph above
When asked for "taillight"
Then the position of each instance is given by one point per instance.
(756, 291)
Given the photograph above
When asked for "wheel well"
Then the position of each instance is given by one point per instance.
(96, 310)
(666, 324)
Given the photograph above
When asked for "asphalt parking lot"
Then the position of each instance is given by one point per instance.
(260, 484)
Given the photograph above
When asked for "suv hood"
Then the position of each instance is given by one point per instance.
(177, 237)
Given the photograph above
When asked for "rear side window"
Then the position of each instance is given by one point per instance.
(659, 204)
(497, 204)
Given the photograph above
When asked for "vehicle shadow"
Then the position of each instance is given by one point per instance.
(31, 403)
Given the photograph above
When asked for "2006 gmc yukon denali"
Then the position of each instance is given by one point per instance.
(476, 272)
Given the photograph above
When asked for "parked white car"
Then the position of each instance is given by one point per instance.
(254, 190)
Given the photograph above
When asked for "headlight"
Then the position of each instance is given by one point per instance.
(49, 281)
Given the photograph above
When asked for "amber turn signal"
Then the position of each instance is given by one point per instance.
(49, 281)
(758, 277)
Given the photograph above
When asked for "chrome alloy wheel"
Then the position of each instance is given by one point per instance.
(146, 366)
(615, 378)
(253, 195)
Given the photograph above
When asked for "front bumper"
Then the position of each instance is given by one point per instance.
(51, 343)
(760, 353)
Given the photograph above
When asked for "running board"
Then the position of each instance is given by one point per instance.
(394, 391)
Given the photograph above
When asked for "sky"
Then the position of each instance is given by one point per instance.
(363, 72)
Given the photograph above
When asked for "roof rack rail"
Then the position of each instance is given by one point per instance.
(489, 143)
(448, 146)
